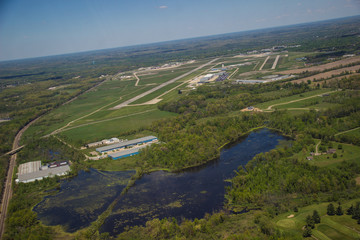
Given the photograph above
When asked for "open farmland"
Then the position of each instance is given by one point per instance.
(329, 74)
(120, 126)
(323, 67)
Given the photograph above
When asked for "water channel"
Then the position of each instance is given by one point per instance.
(188, 194)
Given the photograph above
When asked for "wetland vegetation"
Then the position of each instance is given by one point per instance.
(193, 127)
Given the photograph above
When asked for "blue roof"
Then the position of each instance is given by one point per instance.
(126, 143)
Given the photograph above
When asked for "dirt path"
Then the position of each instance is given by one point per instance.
(266, 59)
(317, 148)
(276, 62)
(298, 100)
(346, 131)
(126, 103)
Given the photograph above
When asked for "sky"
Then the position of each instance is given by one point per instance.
(33, 28)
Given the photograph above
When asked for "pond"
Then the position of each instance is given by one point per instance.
(188, 194)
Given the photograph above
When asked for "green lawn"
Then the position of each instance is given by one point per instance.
(111, 128)
(355, 133)
(330, 227)
(110, 92)
(348, 153)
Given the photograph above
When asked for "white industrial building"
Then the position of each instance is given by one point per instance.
(31, 171)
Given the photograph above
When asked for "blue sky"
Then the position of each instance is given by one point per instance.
(32, 28)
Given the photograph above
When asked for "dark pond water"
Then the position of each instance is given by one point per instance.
(82, 199)
(189, 194)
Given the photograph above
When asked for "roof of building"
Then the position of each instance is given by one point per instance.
(126, 152)
(32, 176)
(29, 167)
(126, 143)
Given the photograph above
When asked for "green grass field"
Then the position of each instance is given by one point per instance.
(354, 133)
(269, 63)
(111, 128)
(314, 103)
(291, 98)
(330, 227)
(347, 153)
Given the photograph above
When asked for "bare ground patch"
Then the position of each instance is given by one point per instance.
(357, 180)
(328, 74)
(324, 66)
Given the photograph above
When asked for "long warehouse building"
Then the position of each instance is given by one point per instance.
(125, 153)
(130, 143)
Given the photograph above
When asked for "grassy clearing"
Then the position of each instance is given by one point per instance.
(108, 114)
(330, 227)
(122, 164)
(157, 93)
(164, 76)
(105, 94)
(291, 98)
(116, 127)
(269, 63)
(311, 103)
(242, 69)
(354, 133)
(290, 62)
(347, 153)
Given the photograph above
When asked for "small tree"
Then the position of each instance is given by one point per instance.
(307, 232)
(296, 209)
(310, 222)
(334, 155)
(340, 146)
(339, 210)
(350, 210)
(330, 209)
(316, 217)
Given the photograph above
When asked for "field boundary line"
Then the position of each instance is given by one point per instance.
(337, 134)
(298, 100)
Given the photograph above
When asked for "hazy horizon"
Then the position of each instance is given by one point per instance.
(31, 30)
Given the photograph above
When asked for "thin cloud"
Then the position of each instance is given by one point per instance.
(163, 7)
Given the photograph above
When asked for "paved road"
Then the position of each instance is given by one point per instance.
(276, 62)
(266, 59)
(160, 86)
(137, 79)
